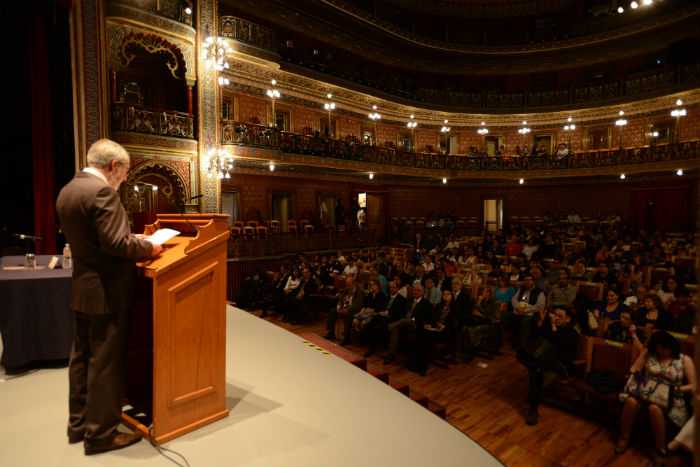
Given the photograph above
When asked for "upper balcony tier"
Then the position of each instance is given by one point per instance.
(257, 145)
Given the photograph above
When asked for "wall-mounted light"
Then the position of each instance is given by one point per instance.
(371, 175)
(623, 176)
(679, 172)
(444, 180)
(521, 181)
(272, 166)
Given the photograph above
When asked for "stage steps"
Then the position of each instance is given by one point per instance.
(315, 340)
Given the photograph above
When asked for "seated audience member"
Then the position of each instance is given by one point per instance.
(556, 331)
(336, 267)
(605, 276)
(666, 294)
(503, 292)
(340, 257)
(350, 302)
(530, 248)
(654, 315)
(419, 311)
(562, 293)
(325, 271)
(383, 266)
(611, 307)
(580, 273)
(624, 330)
(527, 304)
(402, 288)
(399, 270)
(513, 247)
(462, 300)
(440, 328)
(428, 265)
(395, 309)
(442, 282)
(432, 293)
(664, 362)
(471, 258)
(488, 310)
(300, 296)
(681, 310)
(538, 275)
(375, 301)
(419, 278)
(453, 243)
(351, 268)
(472, 277)
(276, 292)
(288, 293)
(561, 151)
(636, 300)
(383, 283)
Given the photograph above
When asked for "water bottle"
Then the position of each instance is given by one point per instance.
(67, 259)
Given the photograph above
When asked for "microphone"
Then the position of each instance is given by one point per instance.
(27, 237)
(180, 210)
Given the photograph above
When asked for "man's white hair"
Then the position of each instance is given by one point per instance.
(104, 151)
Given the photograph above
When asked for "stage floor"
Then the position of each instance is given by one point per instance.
(289, 405)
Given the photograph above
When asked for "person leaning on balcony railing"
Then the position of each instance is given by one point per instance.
(562, 151)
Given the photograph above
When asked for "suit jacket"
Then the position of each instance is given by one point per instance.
(358, 298)
(308, 287)
(104, 250)
(464, 306)
(422, 313)
(398, 307)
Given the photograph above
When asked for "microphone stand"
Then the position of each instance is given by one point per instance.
(179, 209)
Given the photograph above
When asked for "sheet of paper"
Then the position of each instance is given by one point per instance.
(163, 235)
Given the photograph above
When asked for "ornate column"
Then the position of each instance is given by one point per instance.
(90, 80)
(207, 107)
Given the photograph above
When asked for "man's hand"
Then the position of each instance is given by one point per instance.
(155, 251)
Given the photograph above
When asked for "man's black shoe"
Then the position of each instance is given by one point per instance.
(389, 359)
(330, 336)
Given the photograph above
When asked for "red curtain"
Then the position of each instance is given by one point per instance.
(42, 132)
(671, 208)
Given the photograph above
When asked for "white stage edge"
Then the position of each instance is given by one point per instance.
(289, 405)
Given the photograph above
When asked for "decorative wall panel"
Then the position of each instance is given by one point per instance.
(348, 128)
(387, 134)
(426, 139)
(632, 134)
(468, 139)
(252, 109)
(690, 125)
(305, 120)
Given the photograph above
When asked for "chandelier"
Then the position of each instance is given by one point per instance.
(219, 163)
(214, 52)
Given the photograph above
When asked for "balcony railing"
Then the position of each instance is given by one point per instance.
(151, 121)
(260, 136)
(172, 9)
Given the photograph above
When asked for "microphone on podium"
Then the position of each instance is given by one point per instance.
(27, 237)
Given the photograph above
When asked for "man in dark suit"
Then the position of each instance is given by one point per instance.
(463, 302)
(395, 309)
(349, 304)
(418, 313)
(276, 292)
(104, 276)
(300, 296)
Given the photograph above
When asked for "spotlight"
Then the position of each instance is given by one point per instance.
(679, 172)
(521, 181)
(647, 2)
(622, 176)
(188, 10)
(444, 180)
(620, 9)
(634, 5)
(371, 175)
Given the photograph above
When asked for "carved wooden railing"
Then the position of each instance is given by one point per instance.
(242, 30)
(151, 121)
(247, 134)
(172, 9)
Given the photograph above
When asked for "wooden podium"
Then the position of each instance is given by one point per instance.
(176, 370)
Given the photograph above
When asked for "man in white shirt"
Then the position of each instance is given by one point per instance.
(350, 268)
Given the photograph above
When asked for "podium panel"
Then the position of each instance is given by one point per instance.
(188, 323)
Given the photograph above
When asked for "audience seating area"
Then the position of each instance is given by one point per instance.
(479, 264)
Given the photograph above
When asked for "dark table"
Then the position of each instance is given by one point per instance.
(36, 321)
